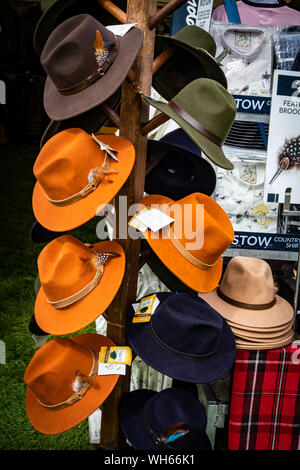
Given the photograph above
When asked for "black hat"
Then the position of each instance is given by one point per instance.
(171, 419)
(185, 339)
(181, 170)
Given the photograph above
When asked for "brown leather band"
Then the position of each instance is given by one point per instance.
(95, 75)
(194, 123)
(78, 395)
(101, 175)
(185, 253)
(243, 305)
(80, 294)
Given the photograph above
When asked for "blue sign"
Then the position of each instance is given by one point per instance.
(193, 12)
(267, 242)
(252, 104)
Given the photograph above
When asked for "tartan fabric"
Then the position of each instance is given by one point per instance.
(265, 400)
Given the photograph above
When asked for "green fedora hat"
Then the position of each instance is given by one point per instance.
(57, 11)
(194, 57)
(205, 111)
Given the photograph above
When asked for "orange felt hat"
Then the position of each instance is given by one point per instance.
(78, 283)
(76, 179)
(198, 266)
(55, 400)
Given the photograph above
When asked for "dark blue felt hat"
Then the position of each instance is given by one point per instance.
(185, 339)
(40, 234)
(181, 171)
(146, 416)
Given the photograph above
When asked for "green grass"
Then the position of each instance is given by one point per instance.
(18, 256)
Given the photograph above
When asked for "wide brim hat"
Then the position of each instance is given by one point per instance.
(174, 364)
(64, 218)
(261, 336)
(91, 121)
(181, 171)
(204, 63)
(199, 280)
(48, 421)
(73, 318)
(244, 344)
(60, 10)
(59, 106)
(210, 96)
(130, 408)
(280, 314)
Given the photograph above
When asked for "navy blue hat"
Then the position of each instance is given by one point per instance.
(181, 171)
(147, 416)
(185, 339)
(40, 234)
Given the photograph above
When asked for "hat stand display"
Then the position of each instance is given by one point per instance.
(65, 305)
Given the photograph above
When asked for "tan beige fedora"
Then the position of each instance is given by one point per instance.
(247, 295)
(270, 345)
(260, 330)
(261, 336)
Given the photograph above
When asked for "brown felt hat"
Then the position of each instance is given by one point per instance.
(85, 65)
(55, 402)
(78, 283)
(76, 179)
(247, 296)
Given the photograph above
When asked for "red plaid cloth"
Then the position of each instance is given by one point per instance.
(265, 400)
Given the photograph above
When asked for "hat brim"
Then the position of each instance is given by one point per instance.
(55, 422)
(209, 63)
(213, 151)
(62, 219)
(205, 370)
(90, 121)
(280, 314)
(59, 107)
(197, 279)
(54, 15)
(262, 346)
(130, 408)
(86, 310)
(203, 168)
(261, 336)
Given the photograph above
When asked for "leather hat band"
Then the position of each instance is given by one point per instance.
(185, 253)
(95, 75)
(78, 395)
(243, 305)
(194, 123)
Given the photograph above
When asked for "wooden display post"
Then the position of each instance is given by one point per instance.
(133, 116)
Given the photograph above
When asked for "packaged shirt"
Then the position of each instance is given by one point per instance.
(240, 193)
(286, 46)
(254, 14)
(248, 65)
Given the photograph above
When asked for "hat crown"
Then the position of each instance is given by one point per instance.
(65, 161)
(68, 55)
(188, 325)
(248, 280)
(197, 37)
(210, 104)
(52, 370)
(172, 406)
(197, 229)
(65, 266)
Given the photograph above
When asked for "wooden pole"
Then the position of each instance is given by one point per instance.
(154, 123)
(114, 10)
(134, 111)
(111, 114)
(167, 10)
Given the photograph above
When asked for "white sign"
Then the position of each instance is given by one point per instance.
(283, 154)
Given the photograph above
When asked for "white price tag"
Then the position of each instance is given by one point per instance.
(111, 369)
(121, 29)
(154, 219)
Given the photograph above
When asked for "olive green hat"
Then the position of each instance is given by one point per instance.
(194, 57)
(205, 111)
